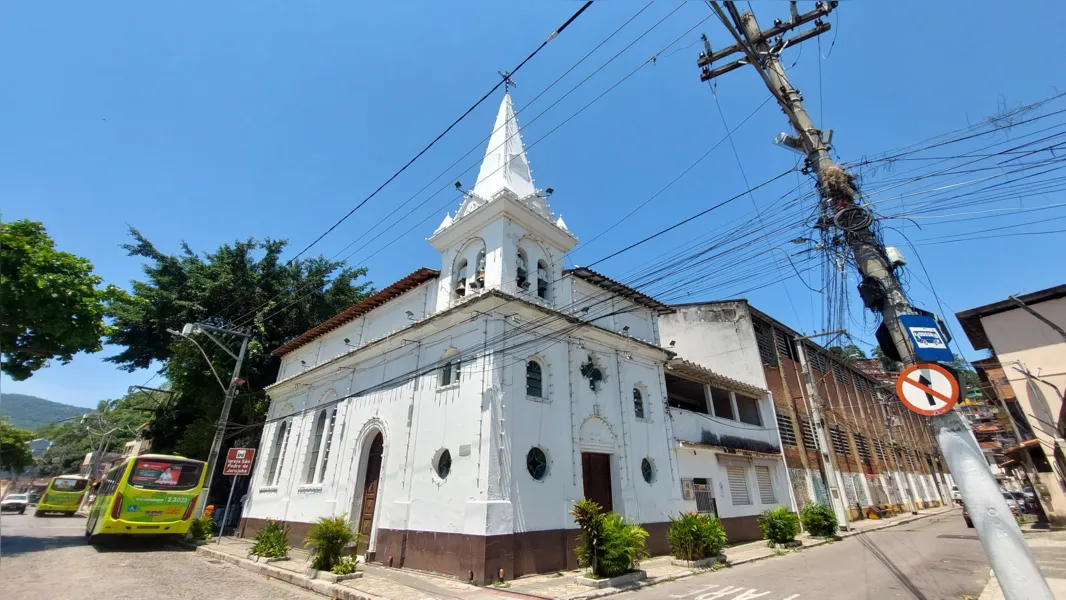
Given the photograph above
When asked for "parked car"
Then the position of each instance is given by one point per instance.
(15, 502)
(956, 495)
(1012, 504)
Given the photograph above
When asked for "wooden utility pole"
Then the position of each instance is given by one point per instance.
(1012, 562)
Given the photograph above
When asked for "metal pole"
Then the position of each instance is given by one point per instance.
(225, 515)
(1011, 560)
(220, 429)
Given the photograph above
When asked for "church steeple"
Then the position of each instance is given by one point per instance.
(505, 165)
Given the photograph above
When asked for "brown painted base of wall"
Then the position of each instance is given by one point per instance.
(481, 557)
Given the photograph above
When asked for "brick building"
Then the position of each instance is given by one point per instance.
(881, 451)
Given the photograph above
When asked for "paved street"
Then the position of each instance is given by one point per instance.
(930, 559)
(48, 558)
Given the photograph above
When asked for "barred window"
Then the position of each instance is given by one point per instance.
(840, 373)
(840, 440)
(784, 344)
(861, 384)
(880, 449)
(862, 447)
(816, 358)
(808, 436)
(784, 427)
(764, 339)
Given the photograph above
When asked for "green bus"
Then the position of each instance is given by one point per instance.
(63, 495)
(151, 494)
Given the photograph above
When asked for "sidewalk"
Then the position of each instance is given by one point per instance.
(383, 583)
(1049, 548)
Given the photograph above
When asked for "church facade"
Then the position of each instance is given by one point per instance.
(455, 415)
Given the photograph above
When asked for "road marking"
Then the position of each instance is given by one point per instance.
(728, 592)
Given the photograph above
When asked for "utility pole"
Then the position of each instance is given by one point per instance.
(826, 459)
(1012, 562)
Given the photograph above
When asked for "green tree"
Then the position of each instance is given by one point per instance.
(968, 379)
(887, 363)
(15, 455)
(245, 284)
(847, 353)
(52, 305)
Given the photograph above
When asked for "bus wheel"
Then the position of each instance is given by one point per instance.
(38, 514)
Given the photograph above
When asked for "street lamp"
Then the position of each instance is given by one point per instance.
(187, 332)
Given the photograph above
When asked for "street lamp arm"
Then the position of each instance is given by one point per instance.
(206, 357)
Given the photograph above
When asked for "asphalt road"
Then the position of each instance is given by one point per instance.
(929, 559)
(48, 558)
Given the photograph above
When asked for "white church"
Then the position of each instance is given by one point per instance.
(456, 414)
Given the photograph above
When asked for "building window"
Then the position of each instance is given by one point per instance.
(522, 270)
(748, 409)
(880, 449)
(479, 273)
(840, 441)
(327, 444)
(537, 463)
(314, 447)
(689, 395)
(534, 379)
(704, 496)
(809, 441)
(816, 358)
(766, 485)
(450, 370)
(442, 463)
(862, 447)
(738, 486)
(459, 283)
(840, 373)
(723, 404)
(281, 439)
(764, 339)
(542, 279)
(638, 403)
(785, 429)
(647, 470)
(784, 344)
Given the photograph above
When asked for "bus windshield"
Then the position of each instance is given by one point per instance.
(165, 474)
(69, 484)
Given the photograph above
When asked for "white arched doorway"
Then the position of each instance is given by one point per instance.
(369, 476)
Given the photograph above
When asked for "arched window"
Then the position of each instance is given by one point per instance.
(281, 438)
(522, 265)
(450, 371)
(314, 447)
(542, 279)
(479, 273)
(459, 283)
(638, 403)
(534, 379)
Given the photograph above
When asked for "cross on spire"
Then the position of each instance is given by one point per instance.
(508, 83)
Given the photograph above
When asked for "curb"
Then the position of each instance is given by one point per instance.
(330, 590)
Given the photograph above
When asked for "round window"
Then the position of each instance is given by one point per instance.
(442, 464)
(647, 470)
(536, 463)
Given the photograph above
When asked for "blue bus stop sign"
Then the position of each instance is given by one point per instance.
(929, 343)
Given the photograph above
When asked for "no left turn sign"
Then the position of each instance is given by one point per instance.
(927, 389)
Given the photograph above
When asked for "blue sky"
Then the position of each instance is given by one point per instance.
(209, 122)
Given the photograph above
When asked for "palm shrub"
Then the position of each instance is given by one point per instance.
(624, 546)
(779, 525)
(200, 529)
(327, 539)
(345, 567)
(271, 542)
(589, 518)
(694, 536)
(819, 520)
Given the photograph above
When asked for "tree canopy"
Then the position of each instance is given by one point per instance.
(52, 305)
(244, 285)
(847, 353)
(15, 455)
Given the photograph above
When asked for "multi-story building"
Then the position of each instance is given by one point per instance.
(882, 454)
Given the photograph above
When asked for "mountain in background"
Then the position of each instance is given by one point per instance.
(31, 412)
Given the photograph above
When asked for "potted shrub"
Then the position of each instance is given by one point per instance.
(610, 547)
(271, 543)
(327, 539)
(819, 520)
(200, 529)
(779, 527)
(696, 540)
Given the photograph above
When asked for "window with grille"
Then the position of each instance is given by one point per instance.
(862, 447)
(862, 385)
(534, 379)
(638, 403)
(880, 449)
(764, 339)
(784, 427)
(840, 440)
(840, 373)
(766, 485)
(704, 496)
(784, 344)
(738, 486)
(816, 359)
(808, 436)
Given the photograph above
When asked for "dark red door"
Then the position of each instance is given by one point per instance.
(596, 475)
(370, 494)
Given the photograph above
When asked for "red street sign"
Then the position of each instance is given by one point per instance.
(927, 389)
(239, 461)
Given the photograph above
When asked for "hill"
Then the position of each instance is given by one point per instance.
(31, 412)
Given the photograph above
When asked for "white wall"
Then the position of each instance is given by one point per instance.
(699, 462)
(718, 336)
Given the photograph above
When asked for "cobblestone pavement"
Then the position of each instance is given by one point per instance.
(48, 558)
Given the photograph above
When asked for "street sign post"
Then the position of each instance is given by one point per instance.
(238, 462)
(929, 342)
(927, 389)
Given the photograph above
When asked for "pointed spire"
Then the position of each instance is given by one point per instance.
(505, 165)
(446, 222)
(561, 224)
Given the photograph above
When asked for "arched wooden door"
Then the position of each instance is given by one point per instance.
(370, 493)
